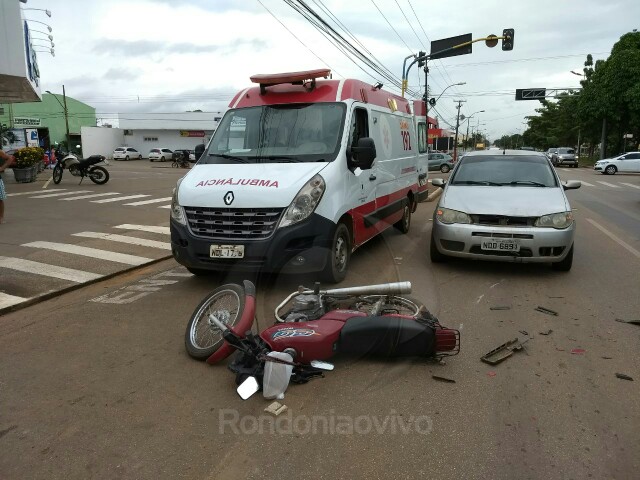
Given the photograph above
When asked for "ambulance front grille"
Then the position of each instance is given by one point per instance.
(233, 223)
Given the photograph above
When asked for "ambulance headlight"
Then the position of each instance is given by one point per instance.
(177, 212)
(305, 202)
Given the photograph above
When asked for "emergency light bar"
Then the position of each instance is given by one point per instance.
(294, 78)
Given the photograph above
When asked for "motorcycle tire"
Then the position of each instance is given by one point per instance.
(174, 164)
(57, 174)
(99, 175)
(203, 338)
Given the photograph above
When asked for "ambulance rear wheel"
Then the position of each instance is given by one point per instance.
(338, 257)
(404, 224)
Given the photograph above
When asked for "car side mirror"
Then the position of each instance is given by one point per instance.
(364, 153)
(438, 182)
(571, 184)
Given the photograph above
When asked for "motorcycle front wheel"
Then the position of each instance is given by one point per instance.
(203, 337)
(57, 174)
(376, 305)
(99, 175)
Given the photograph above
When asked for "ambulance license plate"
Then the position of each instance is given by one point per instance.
(226, 251)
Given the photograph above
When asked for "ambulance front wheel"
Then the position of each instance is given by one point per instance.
(338, 256)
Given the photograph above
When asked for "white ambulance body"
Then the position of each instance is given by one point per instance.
(299, 173)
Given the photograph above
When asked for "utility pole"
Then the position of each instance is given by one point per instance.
(455, 143)
(603, 139)
(66, 118)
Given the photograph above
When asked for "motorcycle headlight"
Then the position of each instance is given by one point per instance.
(305, 202)
(555, 220)
(448, 216)
(177, 212)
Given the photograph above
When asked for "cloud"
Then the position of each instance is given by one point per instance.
(120, 74)
(144, 48)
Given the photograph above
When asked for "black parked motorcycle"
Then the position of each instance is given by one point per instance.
(88, 167)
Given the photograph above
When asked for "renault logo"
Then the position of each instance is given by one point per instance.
(228, 198)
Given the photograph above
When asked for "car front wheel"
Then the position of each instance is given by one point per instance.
(445, 168)
(434, 253)
(565, 264)
(610, 170)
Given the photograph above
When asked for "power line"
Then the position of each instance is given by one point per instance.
(530, 59)
(392, 27)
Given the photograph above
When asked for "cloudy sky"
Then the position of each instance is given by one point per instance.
(166, 56)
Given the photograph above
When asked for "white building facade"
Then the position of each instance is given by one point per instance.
(176, 131)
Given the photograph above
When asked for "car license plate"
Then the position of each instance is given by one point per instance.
(502, 245)
(226, 251)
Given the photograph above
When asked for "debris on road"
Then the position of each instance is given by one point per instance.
(491, 374)
(554, 297)
(578, 351)
(443, 379)
(503, 352)
(624, 377)
(500, 307)
(276, 408)
(632, 322)
(546, 310)
(607, 358)
(524, 332)
(546, 332)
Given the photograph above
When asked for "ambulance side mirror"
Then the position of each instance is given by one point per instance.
(364, 153)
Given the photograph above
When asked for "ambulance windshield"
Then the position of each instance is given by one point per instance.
(308, 132)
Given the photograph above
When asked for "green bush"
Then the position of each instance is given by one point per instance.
(28, 157)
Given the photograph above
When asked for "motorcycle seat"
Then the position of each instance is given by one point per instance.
(92, 160)
(386, 336)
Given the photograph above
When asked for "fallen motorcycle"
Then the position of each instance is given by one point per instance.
(312, 325)
(89, 167)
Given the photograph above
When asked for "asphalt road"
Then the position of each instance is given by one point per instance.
(95, 383)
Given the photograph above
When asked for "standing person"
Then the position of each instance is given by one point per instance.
(5, 162)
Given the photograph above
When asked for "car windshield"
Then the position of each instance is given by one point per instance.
(278, 133)
(504, 170)
(568, 151)
(119, 149)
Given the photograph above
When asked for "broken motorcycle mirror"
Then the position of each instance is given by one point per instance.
(248, 388)
(321, 365)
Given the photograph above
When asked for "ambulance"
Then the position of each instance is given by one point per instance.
(301, 171)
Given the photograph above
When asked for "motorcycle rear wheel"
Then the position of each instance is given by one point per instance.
(57, 174)
(203, 337)
(99, 175)
(390, 305)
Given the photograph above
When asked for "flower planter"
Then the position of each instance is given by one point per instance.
(25, 175)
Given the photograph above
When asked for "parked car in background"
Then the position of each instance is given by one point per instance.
(549, 153)
(440, 161)
(504, 207)
(126, 153)
(530, 149)
(627, 162)
(564, 156)
(160, 154)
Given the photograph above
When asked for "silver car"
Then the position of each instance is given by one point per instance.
(507, 206)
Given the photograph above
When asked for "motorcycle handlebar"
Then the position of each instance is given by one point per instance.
(392, 288)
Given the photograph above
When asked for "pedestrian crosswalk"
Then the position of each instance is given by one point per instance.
(63, 194)
(41, 267)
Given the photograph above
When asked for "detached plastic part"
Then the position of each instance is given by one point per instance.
(276, 376)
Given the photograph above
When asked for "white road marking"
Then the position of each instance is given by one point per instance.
(146, 202)
(631, 185)
(49, 195)
(38, 268)
(81, 197)
(33, 193)
(7, 300)
(46, 184)
(165, 206)
(144, 228)
(565, 169)
(613, 237)
(124, 239)
(608, 184)
(90, 252)
(117, 199)
(586, 184)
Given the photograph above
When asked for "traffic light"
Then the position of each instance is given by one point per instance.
(423, 61)
(507, 41)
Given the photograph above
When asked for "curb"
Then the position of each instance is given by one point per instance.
(71, 288)
(434, 195)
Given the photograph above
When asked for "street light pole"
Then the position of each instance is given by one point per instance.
(468, 122)
(455, 143)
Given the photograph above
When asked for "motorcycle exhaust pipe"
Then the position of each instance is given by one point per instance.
(393, 288)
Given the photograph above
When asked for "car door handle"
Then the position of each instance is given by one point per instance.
(372, 177)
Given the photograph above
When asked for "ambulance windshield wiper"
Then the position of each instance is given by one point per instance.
(229, 157)
(278, 158)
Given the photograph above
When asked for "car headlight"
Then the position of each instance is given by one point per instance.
(555, 220)
(305, 202)
(177, 212)
(448, 216)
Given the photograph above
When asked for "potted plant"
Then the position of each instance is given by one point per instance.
(26, 167)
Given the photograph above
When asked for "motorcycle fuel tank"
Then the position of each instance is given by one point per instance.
(313, 340)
